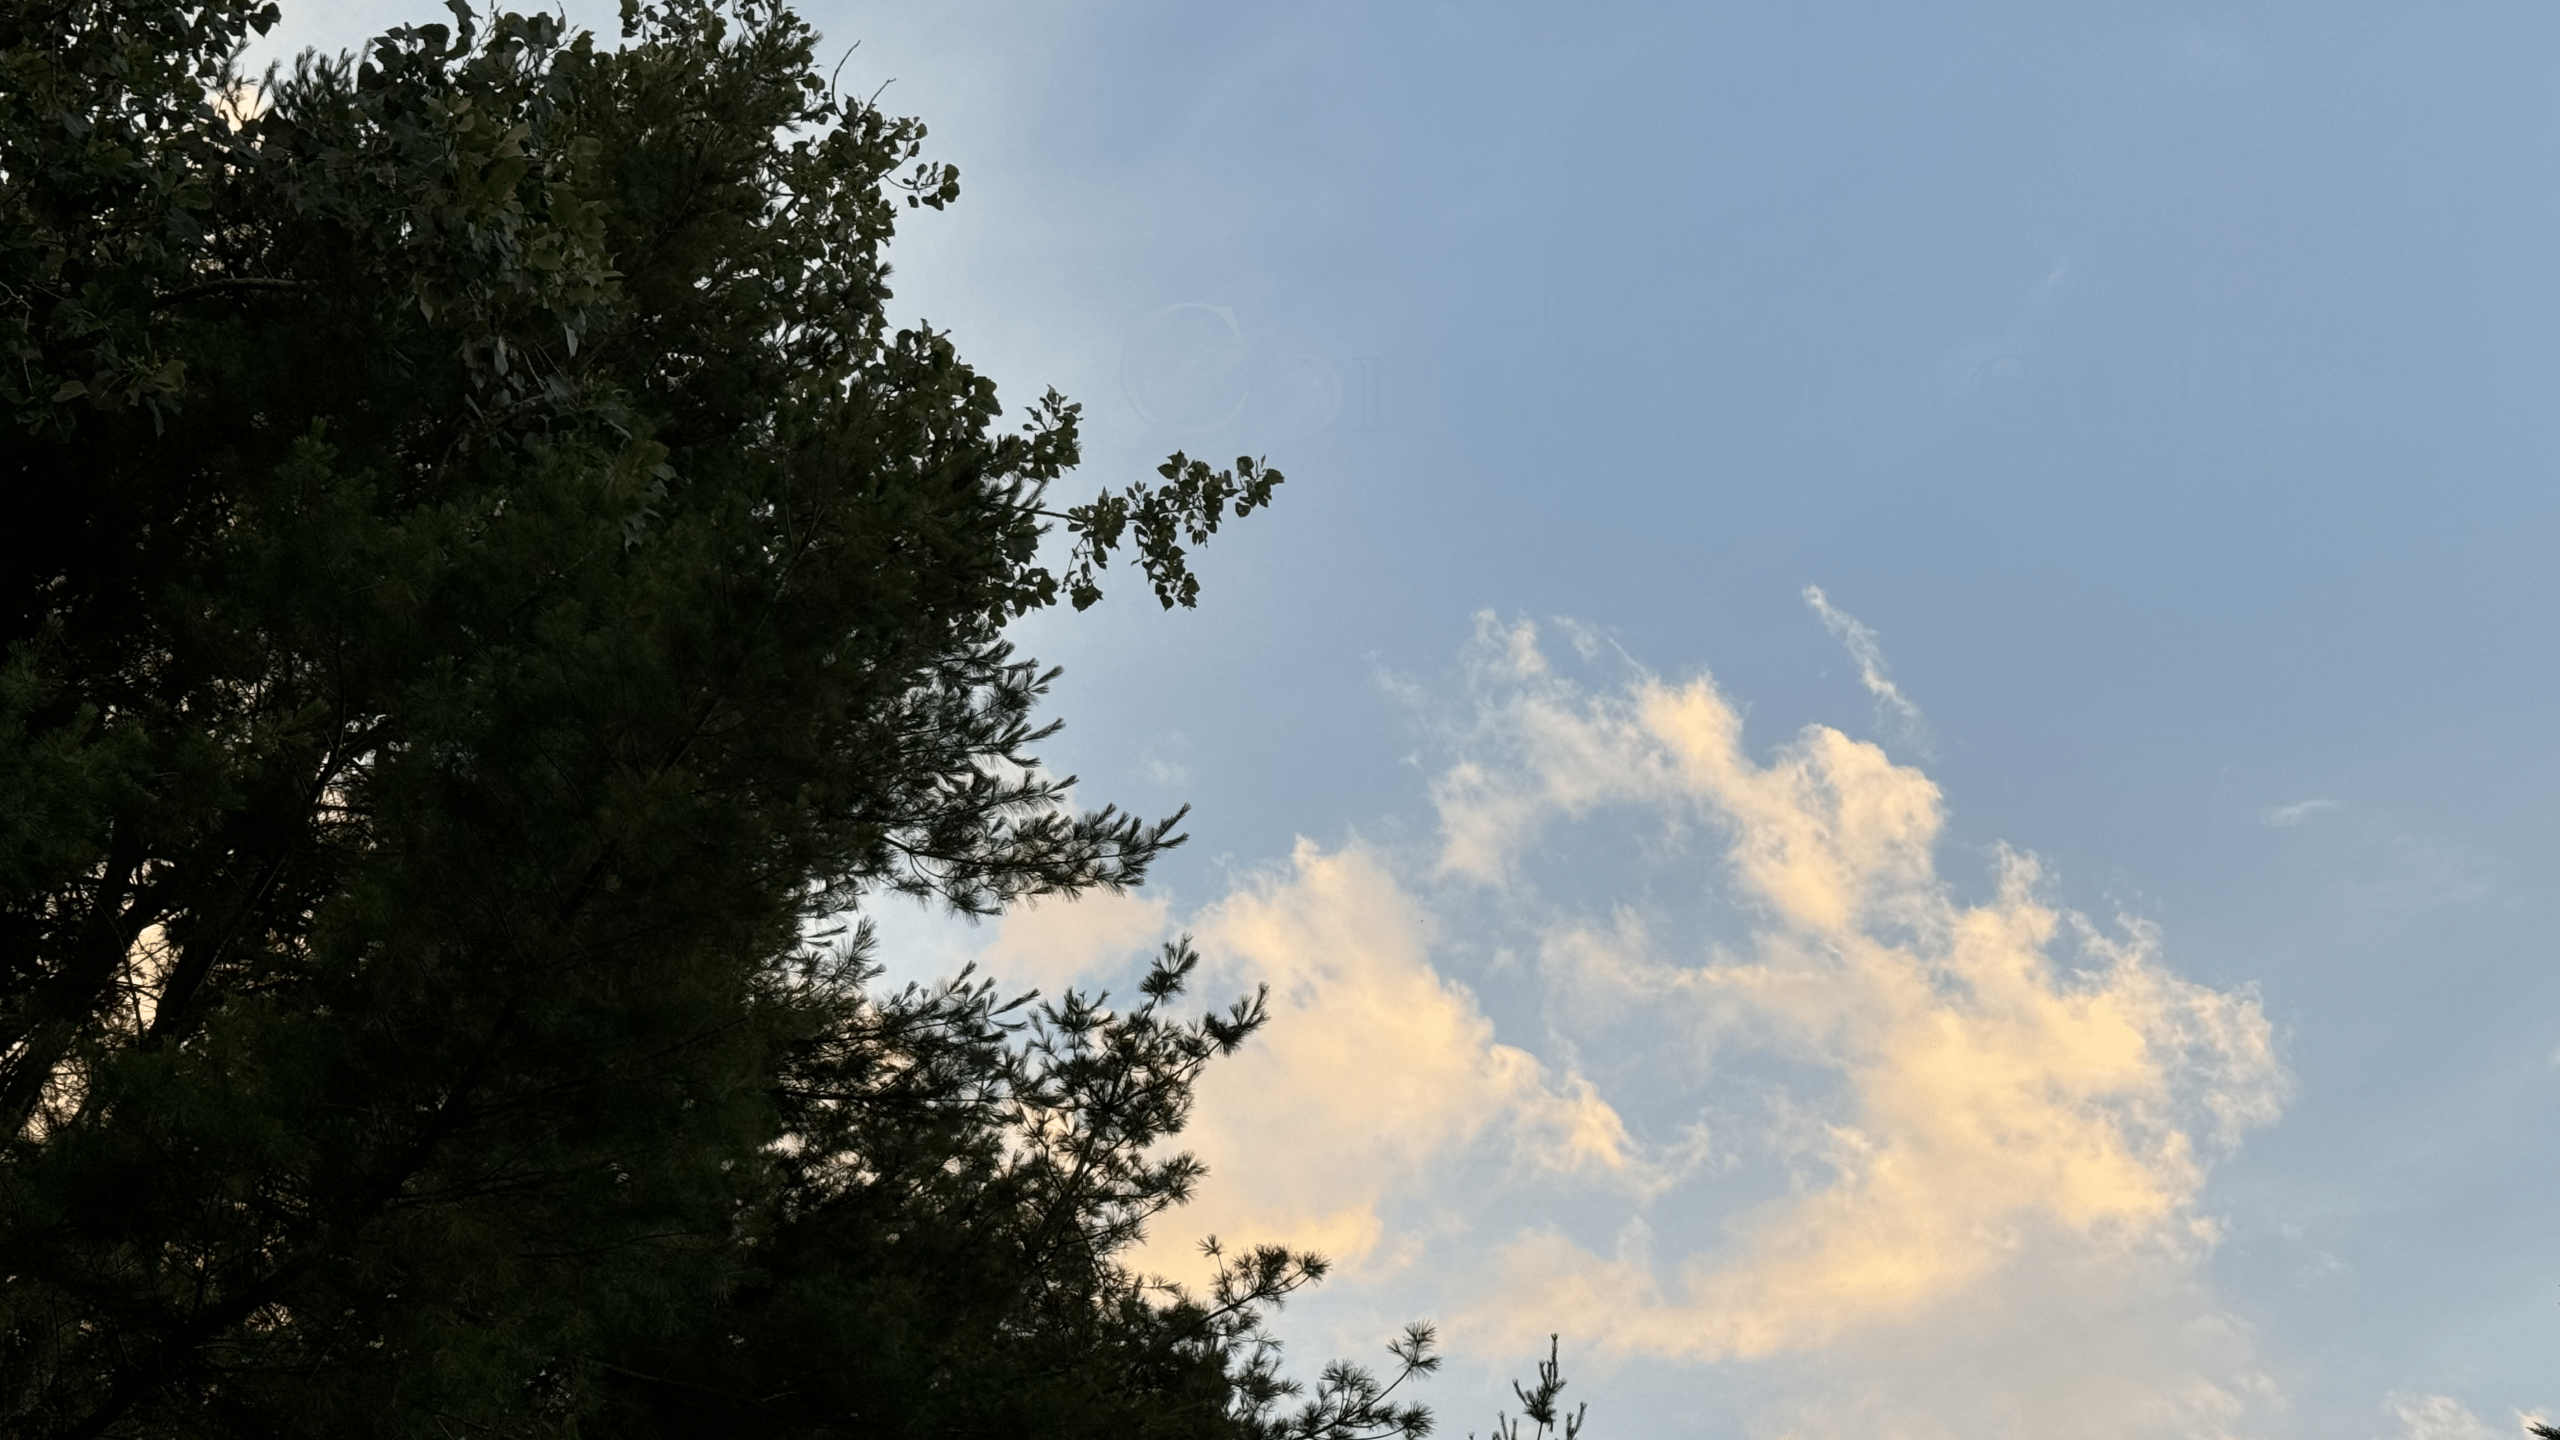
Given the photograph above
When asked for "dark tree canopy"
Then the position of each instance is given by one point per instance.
(484, 582)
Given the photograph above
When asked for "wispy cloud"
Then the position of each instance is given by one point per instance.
(2285, 817)
(2422, 1416)
(1895, 713)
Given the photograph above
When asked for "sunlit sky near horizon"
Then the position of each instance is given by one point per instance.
(1891, 748)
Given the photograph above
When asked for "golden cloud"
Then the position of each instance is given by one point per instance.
(1376, 1068)
(1994, 1098)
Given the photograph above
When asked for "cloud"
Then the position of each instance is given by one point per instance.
(1376, 1071)
(1894, 710)
(2440, 1417)
(1831, 830)
(2015, 1108)
(1961, 1132)
(1052, 943)
(2285, 817)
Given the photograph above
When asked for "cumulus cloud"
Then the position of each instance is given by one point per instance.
(1960, 1131)
(1894, 711)
(2021, 1105)
(1052, 943)
(1375, 1071)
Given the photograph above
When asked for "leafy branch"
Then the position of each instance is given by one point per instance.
(1159, 521)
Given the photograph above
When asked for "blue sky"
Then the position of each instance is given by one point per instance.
(2160, 396)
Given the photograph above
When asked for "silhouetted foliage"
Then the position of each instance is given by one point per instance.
(485, 587)
(1541, 1405)
(483, 577)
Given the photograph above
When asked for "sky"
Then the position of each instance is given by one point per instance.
(1889, 750)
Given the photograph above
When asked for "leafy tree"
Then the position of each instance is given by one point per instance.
(484, 579)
